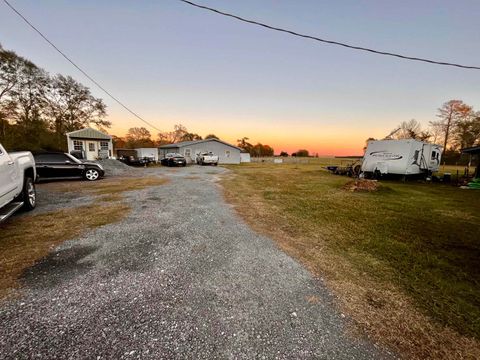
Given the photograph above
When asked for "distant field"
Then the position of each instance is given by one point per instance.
(403, 260)
(325, 161)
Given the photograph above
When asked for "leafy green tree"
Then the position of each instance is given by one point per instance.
(171, 137)
(302, 153)
(245, 145)
(191, 137)
(138, 137)
(467, 132)
(212, 136)
(71, 106)
(451, 114)
(261, 150)
(36, 110)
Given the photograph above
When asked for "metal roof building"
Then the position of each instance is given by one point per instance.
(89, 144)
(227, 153)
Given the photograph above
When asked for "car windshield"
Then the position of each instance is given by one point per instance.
(169, 155)
(73, 158)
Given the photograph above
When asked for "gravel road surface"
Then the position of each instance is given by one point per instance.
(181, 277)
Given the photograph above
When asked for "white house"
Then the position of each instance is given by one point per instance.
(227, 153)
(89, 144)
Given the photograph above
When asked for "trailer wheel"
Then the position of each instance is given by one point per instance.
(357, 169)
(377, 174)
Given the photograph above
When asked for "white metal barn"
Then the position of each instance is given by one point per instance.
(227, 153)
(89, 144)
(401, 157)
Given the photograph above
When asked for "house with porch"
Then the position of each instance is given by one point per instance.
(89, 144)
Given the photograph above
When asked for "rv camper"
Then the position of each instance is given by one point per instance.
(407, 157)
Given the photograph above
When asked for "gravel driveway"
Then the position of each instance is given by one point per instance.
(181, 277)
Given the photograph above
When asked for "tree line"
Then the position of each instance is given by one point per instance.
(457, 127)
(138, 137)
(37, 109)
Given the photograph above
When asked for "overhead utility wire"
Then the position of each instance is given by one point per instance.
(329, 41)
(80, 69)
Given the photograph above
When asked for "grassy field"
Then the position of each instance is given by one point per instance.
(403, 260)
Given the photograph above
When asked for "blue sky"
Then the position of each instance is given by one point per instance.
(173, 63)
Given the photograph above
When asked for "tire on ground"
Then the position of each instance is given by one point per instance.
(91, 174)
(29, 194)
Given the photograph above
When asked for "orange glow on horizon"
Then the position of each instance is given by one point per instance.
(317, 139)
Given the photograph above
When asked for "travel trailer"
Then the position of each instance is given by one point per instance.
(406, 157)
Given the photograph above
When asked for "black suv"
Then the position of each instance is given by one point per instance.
(61, 166)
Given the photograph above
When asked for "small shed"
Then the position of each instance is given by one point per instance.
(227, 153)
(89, 144)
(245, 157)
(151, 153)
(474, 151)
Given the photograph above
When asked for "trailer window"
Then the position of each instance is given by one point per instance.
(434, 154)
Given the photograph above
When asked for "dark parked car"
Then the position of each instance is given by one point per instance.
(55, 165)
(173, 159)
(134, 161)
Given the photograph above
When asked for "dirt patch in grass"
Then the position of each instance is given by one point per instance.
(362, 185)
(25, 240)
(406, 275)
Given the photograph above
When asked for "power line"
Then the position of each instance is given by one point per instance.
(331, 42)
(80, 69)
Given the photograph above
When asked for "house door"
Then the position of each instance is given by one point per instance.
(92, 151)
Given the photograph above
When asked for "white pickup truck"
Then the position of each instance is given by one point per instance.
(207, 158)
(17, 182)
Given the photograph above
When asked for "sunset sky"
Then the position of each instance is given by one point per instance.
(173, 63)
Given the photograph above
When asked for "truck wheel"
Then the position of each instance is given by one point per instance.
(91, 175)
(29, 194)
(215, 164)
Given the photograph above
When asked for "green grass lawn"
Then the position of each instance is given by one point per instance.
(424, 238)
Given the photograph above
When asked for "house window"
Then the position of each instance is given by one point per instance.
(77, 145)
(188, 152)
(91, 146)
(104, 145)
(227, 153)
